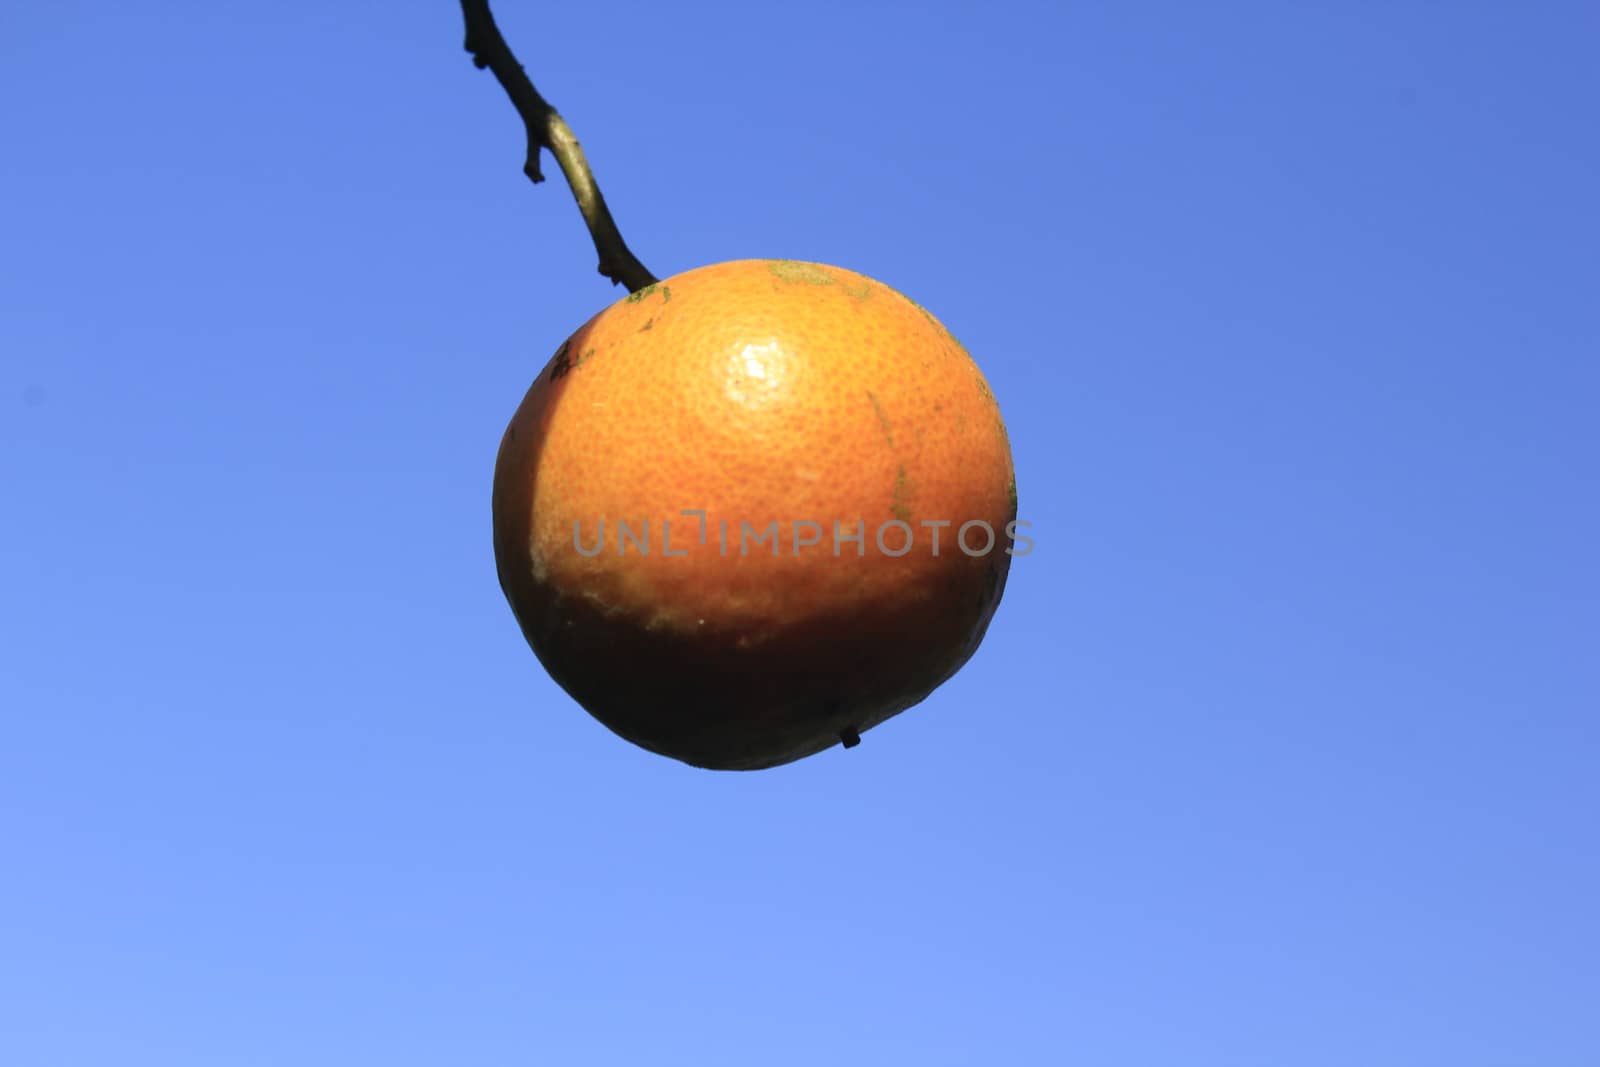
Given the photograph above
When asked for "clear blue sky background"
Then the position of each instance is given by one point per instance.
(1281, 750)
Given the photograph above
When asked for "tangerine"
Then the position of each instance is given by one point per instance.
(755, 510)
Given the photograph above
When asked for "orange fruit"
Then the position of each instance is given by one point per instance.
(716, 511)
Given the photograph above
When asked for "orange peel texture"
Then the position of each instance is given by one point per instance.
(715, 511)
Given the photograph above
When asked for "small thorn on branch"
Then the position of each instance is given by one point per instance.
(849, 737)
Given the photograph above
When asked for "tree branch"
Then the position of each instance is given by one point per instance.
(547, 129)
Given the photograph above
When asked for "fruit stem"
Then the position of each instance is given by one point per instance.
(547, 129)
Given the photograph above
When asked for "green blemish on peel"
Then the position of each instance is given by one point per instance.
(666, 293)
(942, 327)
(1011, 495)
(900, 504)
(793, 270)
(883, 420)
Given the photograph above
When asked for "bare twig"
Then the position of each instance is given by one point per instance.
(547, 129)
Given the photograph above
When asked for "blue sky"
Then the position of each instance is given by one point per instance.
(1281, 749)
